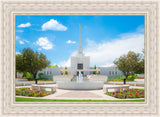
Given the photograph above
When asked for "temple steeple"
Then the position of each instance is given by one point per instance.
(80, 49)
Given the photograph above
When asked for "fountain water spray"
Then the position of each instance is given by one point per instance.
(80, 76)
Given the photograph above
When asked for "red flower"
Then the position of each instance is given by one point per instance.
(32, 93)
(131, 94)
(136, 94)
(119, 98)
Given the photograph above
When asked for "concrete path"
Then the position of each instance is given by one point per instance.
(79, 94)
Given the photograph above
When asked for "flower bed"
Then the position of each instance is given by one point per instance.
(30, 93)
(131, 93)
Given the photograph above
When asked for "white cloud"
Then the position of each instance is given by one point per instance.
(18, 53)
(104, 53)
(53, 25)
(17, 37)
(44, 43)
(39, 48)
(70, 42)
(140, 29)
(65, 63)
(24, 25)
(21, 42)
(26, 41)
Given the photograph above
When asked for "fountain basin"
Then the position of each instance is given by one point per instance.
(90, 85)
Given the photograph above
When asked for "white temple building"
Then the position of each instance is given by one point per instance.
(81, 63)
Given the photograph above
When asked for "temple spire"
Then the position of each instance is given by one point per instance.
(80, 49)
(79, 35)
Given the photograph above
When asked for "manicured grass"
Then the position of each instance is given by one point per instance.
(19, 99)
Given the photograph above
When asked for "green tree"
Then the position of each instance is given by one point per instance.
(128, 63)
(65, 72)
(140, 68)
(94, 72)
(39, 74)
(19, 64)
(31, 62)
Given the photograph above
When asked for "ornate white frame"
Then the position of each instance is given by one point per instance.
(12, 8)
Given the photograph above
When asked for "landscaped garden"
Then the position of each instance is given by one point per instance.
(131, 93)
(30, 93)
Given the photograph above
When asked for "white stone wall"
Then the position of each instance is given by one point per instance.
(62, 78)
(85, 60)
(110, 71)
(19, 74)
(50, 71)
(97, 78)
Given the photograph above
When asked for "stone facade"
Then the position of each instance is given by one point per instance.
(111, 71)
(50, 71)
(84, 61)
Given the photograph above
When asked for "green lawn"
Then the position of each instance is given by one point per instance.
(19, 99)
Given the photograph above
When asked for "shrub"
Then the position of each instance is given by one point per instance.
(132, 77)
(39, 74)
(29, 75)
(65, 73)
(24, 75)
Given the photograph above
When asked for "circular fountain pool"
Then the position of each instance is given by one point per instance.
(91, 85)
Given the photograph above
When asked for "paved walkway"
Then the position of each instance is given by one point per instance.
(79, 94)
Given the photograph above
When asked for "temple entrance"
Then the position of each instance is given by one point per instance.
(80, 66)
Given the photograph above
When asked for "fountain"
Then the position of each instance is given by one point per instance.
(79, 77)
(80, 84)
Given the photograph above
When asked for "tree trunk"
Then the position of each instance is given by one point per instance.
(34, 75)
(124, 80)
(16, 74)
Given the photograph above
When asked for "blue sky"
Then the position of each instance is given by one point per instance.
(104, 38)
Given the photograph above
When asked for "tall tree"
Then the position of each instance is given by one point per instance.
(19, 64)
(31, 62)
(128, 63)
(140, 68)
